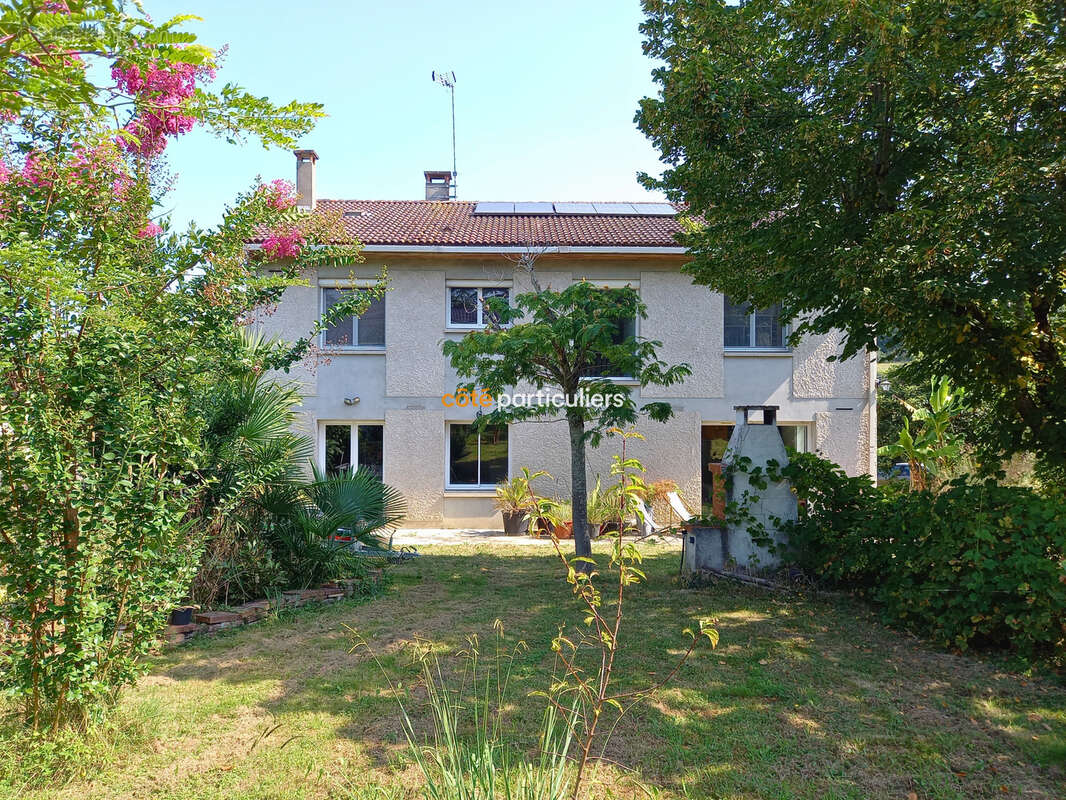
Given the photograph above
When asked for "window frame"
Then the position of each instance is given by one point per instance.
(750, 347)
(353, 439)
(354, 347)
(480, 289)
(478, 488)
(608, 285)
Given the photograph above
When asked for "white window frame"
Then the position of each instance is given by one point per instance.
(806, 427)
(359, 348)
(353, 440)
(752, 348)
(480, 287)
(479, 488)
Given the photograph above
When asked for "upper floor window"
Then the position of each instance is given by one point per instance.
(366, 331)
(476, 460)
(753, 329)
(466, 304)
(623, 329)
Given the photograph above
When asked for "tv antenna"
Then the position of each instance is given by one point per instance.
(447, 80)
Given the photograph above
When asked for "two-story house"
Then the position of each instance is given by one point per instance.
(376, 396)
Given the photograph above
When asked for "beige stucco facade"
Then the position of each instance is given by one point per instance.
(401, 385)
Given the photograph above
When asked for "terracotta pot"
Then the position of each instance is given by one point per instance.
(565, 531)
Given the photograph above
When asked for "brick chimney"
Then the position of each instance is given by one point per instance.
(305, 179)
(438, 185)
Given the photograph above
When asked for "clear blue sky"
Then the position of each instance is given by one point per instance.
(545, 97)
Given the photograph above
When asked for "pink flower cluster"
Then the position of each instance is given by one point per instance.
(151, 229)
(161, 91)
(102, 166)
(33, 173)
(279, 194)
(287, 243)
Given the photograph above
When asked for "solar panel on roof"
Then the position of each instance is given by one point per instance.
(575, 208)
(494, 208)
(533, 208)
(614, 208)
(655, 209)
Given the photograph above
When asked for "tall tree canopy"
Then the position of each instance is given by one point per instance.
(882, 168)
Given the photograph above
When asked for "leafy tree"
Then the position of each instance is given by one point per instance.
(567, 341)
(882, 168)
(112, 333)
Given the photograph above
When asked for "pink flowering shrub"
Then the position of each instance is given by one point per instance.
(284, 243)
(279, 194)
(151, 229)
(34, 172)
(162, 91)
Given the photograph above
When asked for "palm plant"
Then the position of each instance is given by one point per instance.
(308, 519)
(250, 450)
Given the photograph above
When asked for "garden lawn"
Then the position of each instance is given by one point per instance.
(802, 698)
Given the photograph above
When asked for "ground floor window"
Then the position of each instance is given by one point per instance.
(353, 445)
(476, 460)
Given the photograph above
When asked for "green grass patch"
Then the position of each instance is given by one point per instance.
(803, 698)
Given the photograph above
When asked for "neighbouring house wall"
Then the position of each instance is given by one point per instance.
(290, 320)
(401, 386)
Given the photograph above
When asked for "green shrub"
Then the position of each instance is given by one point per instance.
(355, 504)
(836, 536)
(976, 565)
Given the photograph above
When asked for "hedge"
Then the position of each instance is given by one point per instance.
(975, 565)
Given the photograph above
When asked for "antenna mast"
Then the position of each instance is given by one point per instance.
(447, 80)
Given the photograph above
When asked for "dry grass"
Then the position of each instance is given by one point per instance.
(803, 698)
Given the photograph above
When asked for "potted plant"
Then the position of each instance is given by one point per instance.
(602, 509)
(551, 518)
(515, 499)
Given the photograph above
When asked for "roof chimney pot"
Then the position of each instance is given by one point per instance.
(438, 185)
(305, 178)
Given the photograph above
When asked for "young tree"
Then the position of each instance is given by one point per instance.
(112, 332)
(881, 168)
(567, 341)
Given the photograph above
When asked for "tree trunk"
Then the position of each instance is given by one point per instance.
(579, 489)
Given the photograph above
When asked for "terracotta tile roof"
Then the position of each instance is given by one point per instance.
(454, 223)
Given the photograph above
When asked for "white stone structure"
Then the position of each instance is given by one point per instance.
(375, 398)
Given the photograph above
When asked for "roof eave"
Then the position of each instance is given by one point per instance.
(513, 249)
